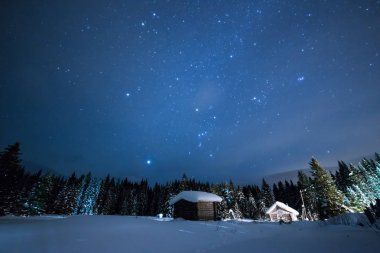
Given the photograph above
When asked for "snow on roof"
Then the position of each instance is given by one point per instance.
(195, 196)
(283, 206)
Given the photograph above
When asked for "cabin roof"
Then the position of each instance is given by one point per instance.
(282, 206)
(195, 196)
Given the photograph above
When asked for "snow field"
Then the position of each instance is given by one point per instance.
(148, 234)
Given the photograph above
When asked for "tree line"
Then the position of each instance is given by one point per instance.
(320, 195)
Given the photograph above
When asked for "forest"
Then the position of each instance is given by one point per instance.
(351, 188)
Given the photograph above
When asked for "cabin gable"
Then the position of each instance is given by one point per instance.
(279, 211)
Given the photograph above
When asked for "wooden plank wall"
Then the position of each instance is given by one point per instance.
(195, 211)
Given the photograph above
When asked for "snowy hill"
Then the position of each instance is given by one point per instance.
(146, 234)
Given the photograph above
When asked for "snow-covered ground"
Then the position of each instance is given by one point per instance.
(146, 234)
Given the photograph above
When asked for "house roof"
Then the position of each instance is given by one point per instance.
(195, 196)
(282, 206)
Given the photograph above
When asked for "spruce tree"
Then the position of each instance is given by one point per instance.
(266, 194)
(377, 157)
(308, 194)
(357, 200)
(89, 196)
(343, 176)
(252, 207)
(240, 207)
(184, 184)
(11, 179)
(67, 199)
(37, 202)
(329, 199)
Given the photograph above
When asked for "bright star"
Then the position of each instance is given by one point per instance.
(148, 162)
(300, 78)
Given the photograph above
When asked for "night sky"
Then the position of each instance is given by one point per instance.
(213, 89)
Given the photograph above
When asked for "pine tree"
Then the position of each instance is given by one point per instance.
(229, 194)
(281, 192)
(103, 191)
(58, 184)
(308, 194)
(266, 194)
(357, 200)
(343, 176)
(223, 210)
(11, 179)
(329, 199)
(184, 184)
(240, 207)
(252, 207)
(142, 198)
(66, 202)
(377, 157)
(110, 198)
(293, 196)
(37, 202)
(89, 195)
(237, 212)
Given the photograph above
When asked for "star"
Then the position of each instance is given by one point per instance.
(300, 78)
(148, 162)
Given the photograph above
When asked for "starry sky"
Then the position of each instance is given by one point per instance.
(213, 89)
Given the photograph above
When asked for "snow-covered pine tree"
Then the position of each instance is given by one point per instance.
(89, 196)
(102, 197)
(329, 199)
(236, 210)
(357, 200)
(223, 210)
(262, 208)
(252, 207)
(240, 207)
(228, 194)
(85, 182)
(365, 181)
(39, 195)
(372, 176)
(66, 201)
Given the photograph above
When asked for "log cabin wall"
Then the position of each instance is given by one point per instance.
(206, 211)
(185, 209)
(195, 211)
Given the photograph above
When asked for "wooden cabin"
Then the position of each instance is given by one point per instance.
(280, 211)
(196, 205)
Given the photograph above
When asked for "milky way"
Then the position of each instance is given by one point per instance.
(213, 89)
